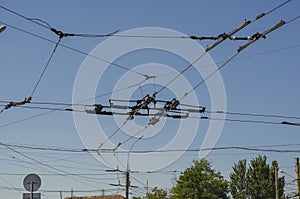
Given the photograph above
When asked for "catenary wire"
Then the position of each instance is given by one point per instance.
(192, 117)
(74, 49)
(46, 66)
(218, 42)
(237, 53)
(33, 20)
(266, 148)
(66, 105)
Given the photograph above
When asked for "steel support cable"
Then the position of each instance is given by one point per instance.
(209, 48)
(119, 128)
(239, 58)
(156, 118)
(238, 120)
(141, 151)
(52, 168)
(210, 75)
(65, 106)
(33, 20)
(241, 48)
(251, 121)
(246, 148)
(74, 49)
(197, 110)
(214, 45)
(46, 25)
(46, 66)
(223, 38)
(202, 55)
(254, 114)
(27, 100)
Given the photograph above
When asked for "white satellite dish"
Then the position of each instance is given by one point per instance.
(32, 182)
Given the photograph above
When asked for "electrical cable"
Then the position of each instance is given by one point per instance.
(222, 38)
(66, 105)
(188, 110)
(256, 37)
(48, 166)
(254, 115)
(241, 48)
(74, 49)
(33, 20)
(240, 121)
(46, 66)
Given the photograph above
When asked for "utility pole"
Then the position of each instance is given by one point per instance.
(71, 193)
(276, 183)
(128, 169)
(127, 183)
(147, 194)
(297, 177)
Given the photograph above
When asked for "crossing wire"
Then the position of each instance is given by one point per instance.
(235, 31)
(73, 49)
(221, 40)
(266, 148)
(46, 66)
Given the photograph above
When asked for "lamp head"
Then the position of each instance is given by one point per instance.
(2, 28)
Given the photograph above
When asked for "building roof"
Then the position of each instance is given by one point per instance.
(98, 197)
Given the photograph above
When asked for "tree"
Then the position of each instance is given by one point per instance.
(157, 193)
(200, 182)
(238, 183)
(256, 182)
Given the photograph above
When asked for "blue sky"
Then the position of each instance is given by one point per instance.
(263, 79)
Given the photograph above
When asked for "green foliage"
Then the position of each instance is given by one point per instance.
(136, 197)
(157, 193)
(200, 182)
(238, 183)
(256, 182)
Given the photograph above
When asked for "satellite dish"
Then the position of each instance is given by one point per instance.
(32, 182)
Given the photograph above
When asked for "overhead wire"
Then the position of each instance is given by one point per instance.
(256, 37)
(221, 39)
(241, 48)
(253, 20)
(259, 148)
(73, 49)
(48, 166)
(242, 26)
(33, 20)
(192, 117)
(239, 120)
(60, 109)
(46, 66)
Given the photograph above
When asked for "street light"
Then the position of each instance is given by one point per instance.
(2, 28)
(128, 170)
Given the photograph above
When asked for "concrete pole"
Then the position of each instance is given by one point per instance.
(297, 177)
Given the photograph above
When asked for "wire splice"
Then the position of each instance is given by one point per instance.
(15, 104)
